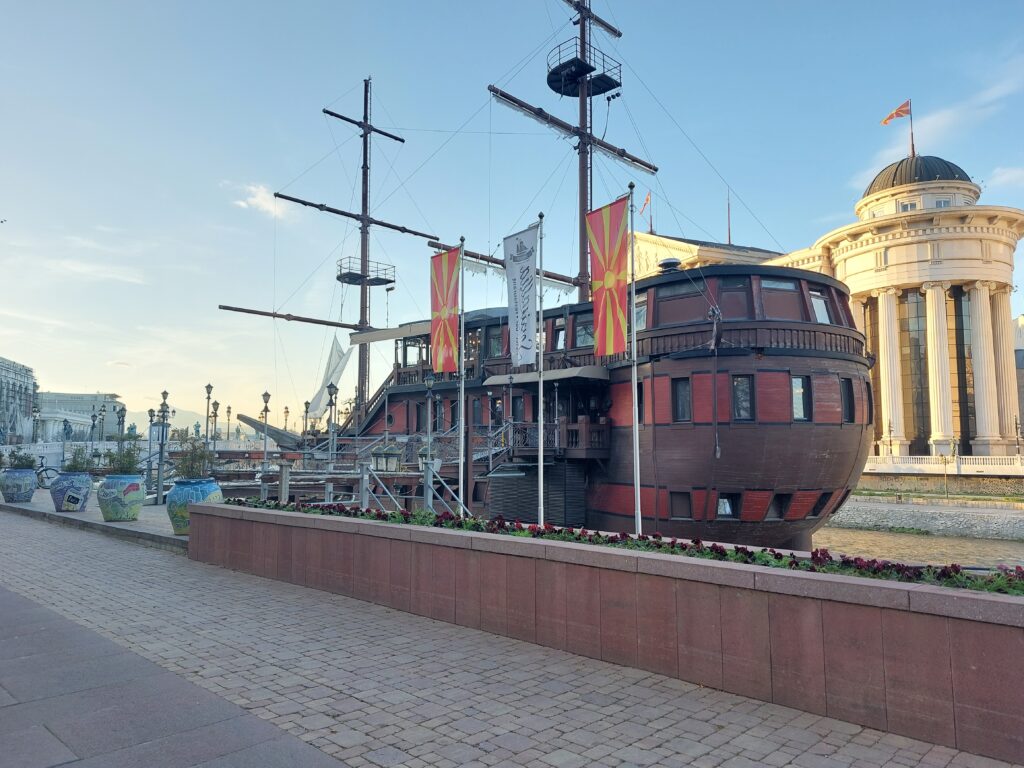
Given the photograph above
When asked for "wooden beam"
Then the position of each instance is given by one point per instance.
(495, 261)
(295, 318)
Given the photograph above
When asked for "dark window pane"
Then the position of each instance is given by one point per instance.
(801, 386)
(846, 390)
(743, 398)
(584, 330)
(821, 303)
(681, 404)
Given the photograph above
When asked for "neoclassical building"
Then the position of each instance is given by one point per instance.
(930, 271)
(17, 396)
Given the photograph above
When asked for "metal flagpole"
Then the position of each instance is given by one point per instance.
(540, 375)
(910, 113)
(632, 343)
(462, 376)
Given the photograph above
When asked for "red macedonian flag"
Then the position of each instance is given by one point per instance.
(609, 267)
(444, 311)
(903, 110)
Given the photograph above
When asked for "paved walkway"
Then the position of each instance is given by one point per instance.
(375, 687)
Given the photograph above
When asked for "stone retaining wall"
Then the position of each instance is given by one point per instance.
(936, 664)
(941, 521)
(970, 485)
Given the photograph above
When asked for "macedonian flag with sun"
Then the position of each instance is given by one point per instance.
(444, 311)
(609, 267)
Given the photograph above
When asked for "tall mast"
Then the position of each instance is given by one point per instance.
(576, 68)
(363, 385)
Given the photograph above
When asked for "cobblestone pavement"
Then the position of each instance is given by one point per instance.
(376, 687)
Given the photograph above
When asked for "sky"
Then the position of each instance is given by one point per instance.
(141, 144)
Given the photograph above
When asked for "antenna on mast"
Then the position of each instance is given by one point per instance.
(728, 215)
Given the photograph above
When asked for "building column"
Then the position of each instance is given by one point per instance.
(894, 439)
(1006, 367)
(940, 393)
(987, 440)
(857, 310)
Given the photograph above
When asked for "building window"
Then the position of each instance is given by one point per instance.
(846, 391)
(682, 406)
(492, 341)
(640, 401)
(681, 288)
(821, 303)
(558, 334)
(943, 202)
(934, 252)
(882, 258)
(743, 398)
(734, 298)
(801, 387)
(778, 506)
(729, 505)
(640, 313)
(782, 299)
(453, 413)
(908, 205)
(584, 329)
(478, 415)
(679, 505)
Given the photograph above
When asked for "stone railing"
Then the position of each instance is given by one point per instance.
(931, 663)
(1012, 466)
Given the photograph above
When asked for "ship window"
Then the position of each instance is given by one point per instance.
(640, 312)
(478, 415)
(585, 329)
(682, 407)
(822, 305)
(778, 506)
(820, 504)
(679, 503)
(782, 299)
(729, 505)
(801, 386)
(681, 288)
(743, 398)
(453, 413)
(492, 341)
(734, 300)
(421, 418)
(558, 334)
(846, 390)
(415, 351)
(640, 401)
(871, 405)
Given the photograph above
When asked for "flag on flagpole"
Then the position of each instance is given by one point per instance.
(647, 201)
(903, 110)
(521, 275)
(444, 311)
(606, 231)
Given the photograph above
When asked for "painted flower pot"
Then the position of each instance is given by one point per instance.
(18, 485)
(187, 492)
(121, 497)
(70, 491)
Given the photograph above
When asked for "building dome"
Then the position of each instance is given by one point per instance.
(914, 170)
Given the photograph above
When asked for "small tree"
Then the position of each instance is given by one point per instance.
(126, 460)
(80, 460)
(195, 459)
(20, 459)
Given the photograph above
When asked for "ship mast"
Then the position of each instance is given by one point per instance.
(577, 68)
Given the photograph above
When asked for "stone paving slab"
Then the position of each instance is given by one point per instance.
(374, 687)
(73, 698)
(153, 528)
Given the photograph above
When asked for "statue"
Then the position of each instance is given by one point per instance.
(133, 431)
(195, 428)
(238, 432)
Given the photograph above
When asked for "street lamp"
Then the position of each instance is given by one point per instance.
(149, 454)
(227, 432)
(103, 422)
(286, 412)
(266, 413)
(428, 465)
(163, 410)
(92, 429)
(305, 418)
(332, 407)
(216, 405)
(209, 389)
(120, 413)
(66, 435)
(35, 422)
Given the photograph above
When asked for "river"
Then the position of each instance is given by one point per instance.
(910, 547)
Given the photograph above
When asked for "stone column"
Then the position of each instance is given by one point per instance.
(894, 439)
(987, 441)
(1006, 367)
(940, 394)
(857, 310)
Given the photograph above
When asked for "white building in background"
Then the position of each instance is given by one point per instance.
(930, 273)
(17, 396)
(77, 409)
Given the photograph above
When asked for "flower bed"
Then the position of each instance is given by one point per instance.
(1003, 580)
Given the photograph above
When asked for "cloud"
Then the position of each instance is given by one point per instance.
(34, 319)
(92, 271)
(119, 364)
(1006, 177)
(259, 197)
(935, 128)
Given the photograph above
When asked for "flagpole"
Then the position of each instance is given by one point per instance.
(910, 111)
(540, 375)
(462, 376)
(632, 343)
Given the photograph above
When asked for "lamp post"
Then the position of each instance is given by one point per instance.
(227, 431)
(266, 413)
(1016, 433)
(215, 405)
(66, 435)
(92, 430)
(103, 423)
(332, 417)
(428, 464)
(305, 418)
(120, 413)
(35, 422)
(209, 390)
(286, 412)
(149, 453)
(163, 410)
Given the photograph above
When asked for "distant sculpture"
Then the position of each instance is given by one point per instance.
(195, 428)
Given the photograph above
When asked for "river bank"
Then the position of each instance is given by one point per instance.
(968, 521)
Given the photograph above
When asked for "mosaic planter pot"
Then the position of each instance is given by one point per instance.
(70, 491)
(187, 492)
(121, 497)
(17, 485)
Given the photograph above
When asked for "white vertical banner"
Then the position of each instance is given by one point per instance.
(521, 276)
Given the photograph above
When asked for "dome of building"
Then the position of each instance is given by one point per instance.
(916, 169)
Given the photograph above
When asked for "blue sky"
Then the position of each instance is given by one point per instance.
(140, 144)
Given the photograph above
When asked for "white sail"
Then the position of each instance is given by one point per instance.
(336, 364)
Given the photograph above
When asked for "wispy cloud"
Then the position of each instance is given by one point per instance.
(258, 197)
(34, 319)
(119, 364)
(1006, 177)
(92, 271)
(935, 128)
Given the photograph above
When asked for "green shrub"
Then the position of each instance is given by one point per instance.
(20, 459)
(80, 460)
(126, 460)
(195, 459)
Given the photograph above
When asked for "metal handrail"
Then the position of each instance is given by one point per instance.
(383, 485)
